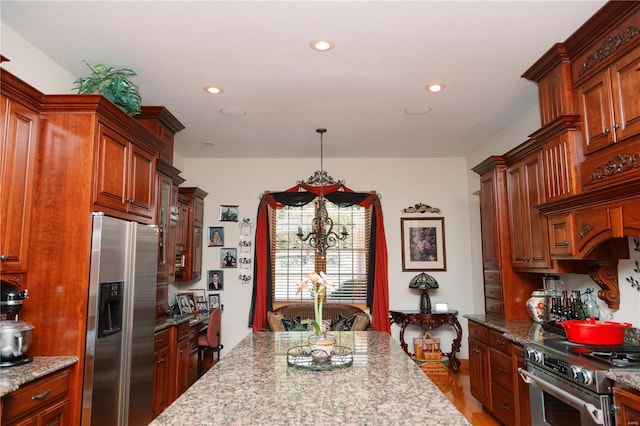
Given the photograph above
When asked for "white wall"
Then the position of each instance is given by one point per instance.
(402, 182)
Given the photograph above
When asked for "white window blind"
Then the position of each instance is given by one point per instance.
(345, 264)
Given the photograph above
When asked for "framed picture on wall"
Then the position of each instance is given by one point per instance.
(423, 244)
(228, 213)
(216, 236)
(228, 257)
(215, 280)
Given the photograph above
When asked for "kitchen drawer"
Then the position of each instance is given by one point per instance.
(501, 369)
(502, 406)
(493, 292)
(494, 307)
(36, 395)
(478, 331)
(499, 342)
(161, 340)
(492, 277)
(183, 330)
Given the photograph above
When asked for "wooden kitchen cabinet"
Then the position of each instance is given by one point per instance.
(479, 367)
(43, 401)
(161, 371)
(609, 104)
(159, 121)
(494, 378)
(505, 290)
(627, 405)
(181, 355)
(191, 259)
(528, 226)
(125, 179)
(18, 156)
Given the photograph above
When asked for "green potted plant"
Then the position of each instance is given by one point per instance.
(113, 84)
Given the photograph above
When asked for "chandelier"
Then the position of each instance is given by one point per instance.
(322, 236)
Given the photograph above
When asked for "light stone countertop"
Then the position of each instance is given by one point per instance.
(11, 378)
(525, 331)
(253, 385)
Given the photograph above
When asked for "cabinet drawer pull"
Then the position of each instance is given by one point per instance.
(43, 395)
(564, 244)
(160, 340)
(502, 370)
(500, 342)
(160, 361)
(505, 406)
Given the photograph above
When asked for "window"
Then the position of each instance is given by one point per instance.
(345, 264)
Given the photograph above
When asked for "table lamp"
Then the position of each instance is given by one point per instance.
(424, 282)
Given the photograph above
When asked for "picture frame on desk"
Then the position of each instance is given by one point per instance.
(423, 244)
(186, 302)
(201, 300)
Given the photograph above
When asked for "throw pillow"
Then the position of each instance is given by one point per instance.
(291, 324)
(344, 323)
(275, 321)
(362, 322)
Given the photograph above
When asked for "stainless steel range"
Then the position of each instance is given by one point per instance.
(568, 384)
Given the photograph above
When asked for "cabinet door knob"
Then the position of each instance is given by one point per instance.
(607, 131)
(616, 126)
(3, 257)
(564, 243)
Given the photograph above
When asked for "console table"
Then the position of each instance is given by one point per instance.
(429, 322)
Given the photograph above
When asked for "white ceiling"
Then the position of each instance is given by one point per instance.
(258, 52)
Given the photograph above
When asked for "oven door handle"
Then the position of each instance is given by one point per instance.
(595, 413)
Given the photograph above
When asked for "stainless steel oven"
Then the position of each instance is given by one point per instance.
(568, 384)
(558, 402)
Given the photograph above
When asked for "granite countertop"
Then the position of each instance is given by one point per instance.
(253, 385)
(525, 331)
(179, 319)
(11, 378)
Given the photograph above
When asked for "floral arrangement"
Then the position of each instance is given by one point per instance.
(317, 284)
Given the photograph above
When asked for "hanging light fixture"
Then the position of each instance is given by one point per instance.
(322, 236)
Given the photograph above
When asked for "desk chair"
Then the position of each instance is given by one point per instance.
(210, 338)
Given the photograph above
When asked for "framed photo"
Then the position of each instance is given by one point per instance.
(186, 302)
(423, 244)
(214, 301)
(201, 300)
(215, 280)
(228, 257)
(228, 213)
(216, 236)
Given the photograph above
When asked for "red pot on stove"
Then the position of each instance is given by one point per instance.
(594, 332)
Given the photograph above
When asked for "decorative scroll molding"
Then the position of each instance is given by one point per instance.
(618, 164)
(608, 47)
(320, 178)
(586, 228)
(421, 208)
(605, 274)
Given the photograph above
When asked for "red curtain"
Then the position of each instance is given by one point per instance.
(261, 301)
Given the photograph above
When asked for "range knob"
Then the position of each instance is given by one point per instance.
(533, 355)
(581, 375)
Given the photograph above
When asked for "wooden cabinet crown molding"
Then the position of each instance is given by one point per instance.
(98, 104)
(171, 172)
(17, 89)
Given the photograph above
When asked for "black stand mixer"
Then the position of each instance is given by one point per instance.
(15, 335)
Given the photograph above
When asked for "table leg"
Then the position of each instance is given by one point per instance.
(403, 345)
(455, 346)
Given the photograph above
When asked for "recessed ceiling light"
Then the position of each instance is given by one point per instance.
(232, 111)
(418, 110)
(436, 87)
(214, 90)
(321, 44)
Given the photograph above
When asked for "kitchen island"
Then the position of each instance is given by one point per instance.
(253, 385)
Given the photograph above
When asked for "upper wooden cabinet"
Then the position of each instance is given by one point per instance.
(159, 121)
(125, 174)
(552, 74)
(609, 103)
(525, 190)
(189, 263)
(18, 155)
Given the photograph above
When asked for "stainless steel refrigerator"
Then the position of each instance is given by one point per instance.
(118, 375)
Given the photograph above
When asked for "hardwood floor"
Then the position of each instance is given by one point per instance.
(456, 387)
